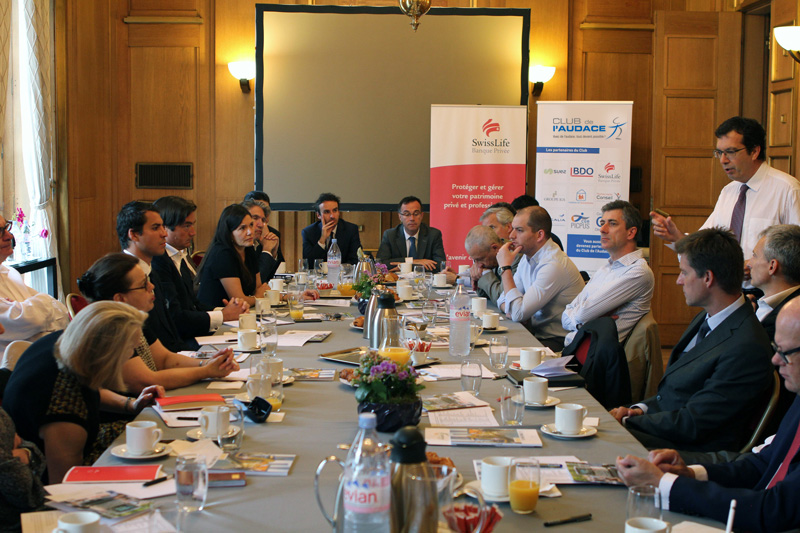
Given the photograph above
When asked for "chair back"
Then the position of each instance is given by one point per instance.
(767, 404)
(13, 352)
(197, 257)
(75, 302)
(643, 352)
(583, 349)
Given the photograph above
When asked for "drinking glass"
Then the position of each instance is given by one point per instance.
(302, 265)
(165, 517)
(429, 310)
(512, 405)
(427, 283)
(268, 337)
(275, 373)
(231, 441)
(191, 482)
(498, 352)
(471, 373)
(523, 485)
(644, 501)
(259, 363)
(318, 268)
(475, 330)
(296, 306)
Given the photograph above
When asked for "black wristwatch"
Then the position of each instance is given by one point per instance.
(504, 268)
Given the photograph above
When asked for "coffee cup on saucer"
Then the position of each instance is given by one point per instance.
(494, 476)
(642, 524)
(247, 339)
(569, 418)
(405, 292)
(440, 280)
(491, 320)
(79, 522)
(142, 437)
(215, 420)
(530, 358)
(247, 321)
(535, 389)
(405, 268)
(273, 296)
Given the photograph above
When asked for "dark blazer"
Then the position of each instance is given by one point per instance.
(757, 508)
(707, 393)
(279, 255)
(769, 320)
(160, 323)
(347, 239)
(429, 245)
(187, 313)
(267, 265)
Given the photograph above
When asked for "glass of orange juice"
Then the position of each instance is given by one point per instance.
(398, 354)
(296, 305)
(523, 485)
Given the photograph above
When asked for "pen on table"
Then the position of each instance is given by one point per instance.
(570, 520)
(156, 481)
(729, 526)
(188, 418)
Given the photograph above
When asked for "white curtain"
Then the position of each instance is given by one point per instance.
(37, 121)
(5, 36)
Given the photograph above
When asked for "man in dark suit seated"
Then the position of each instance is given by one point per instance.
(318, 236)
(720, 364)
(261, 196)
(412, 238)
(764, 484)
(176, 273)
(265, 243)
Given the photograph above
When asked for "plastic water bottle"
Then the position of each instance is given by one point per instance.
(459, 322)
(366, 485)
(334, 263)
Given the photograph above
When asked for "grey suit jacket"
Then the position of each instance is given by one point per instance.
(429, 245)
(491, 286)
(706, 396)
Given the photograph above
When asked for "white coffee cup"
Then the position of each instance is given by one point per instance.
(405, 292)
(409, 259)
(494, 476)
(273, 296)
(403, 283)
(247, 339)
(258, 385)
(463, 268)
(406, 268)
(478, 306)
(276, 284)
(491, 320)
(80, 522)
(530, 358)
(247, 321)
(301, 277)
(643, 524)
(569, 418)
(535, 389)
(215, 420)
(440, 279)
(263, 305)
(141, 437)
(419, 358)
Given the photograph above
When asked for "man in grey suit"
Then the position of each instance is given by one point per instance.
(721, 363)
(412, 238)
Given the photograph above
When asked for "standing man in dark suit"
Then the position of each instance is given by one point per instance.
(412, 238)
(720, 364)
(318, 236)
(261, 196)
(176, 273)
(764, 484)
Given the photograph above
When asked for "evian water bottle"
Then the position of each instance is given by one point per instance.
(334, 263)
(459, 322)
(366, 485)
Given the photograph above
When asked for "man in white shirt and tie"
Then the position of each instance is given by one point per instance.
(758, 195)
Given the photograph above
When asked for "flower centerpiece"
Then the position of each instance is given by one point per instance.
(389, 390)
(365, 283)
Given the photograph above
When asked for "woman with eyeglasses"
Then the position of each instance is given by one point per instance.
(119, 277)
(24, 313)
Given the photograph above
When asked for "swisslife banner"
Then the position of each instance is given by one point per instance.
(478, 158)
(583, 158)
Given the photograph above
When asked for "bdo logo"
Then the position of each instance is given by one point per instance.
(581, 172)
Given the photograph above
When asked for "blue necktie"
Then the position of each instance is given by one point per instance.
(412, 250)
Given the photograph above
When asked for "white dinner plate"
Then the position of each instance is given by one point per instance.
(551, 401)
(476, 485)
(197, 433)
(553, 432)
(121, 451)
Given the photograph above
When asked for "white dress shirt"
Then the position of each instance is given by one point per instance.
(179, 256)
(767, 303)
(623, 287)
(25, 313)
(545, 283)
(773, 197)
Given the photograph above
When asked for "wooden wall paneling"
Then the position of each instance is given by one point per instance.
(695, 87)
(782, 163)
(782, 126)
(615, 10)
(781, 117)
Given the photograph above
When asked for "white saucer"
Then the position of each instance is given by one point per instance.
(121, 451)
(585, 432)
(498, 329)
(197, 433)
(551, 401)
(446, 286)
(476, 485)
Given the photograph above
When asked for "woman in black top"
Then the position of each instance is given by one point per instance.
(230, 266)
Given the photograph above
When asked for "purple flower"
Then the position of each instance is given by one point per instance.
(44, 233)
(20, 216)
(402, 375)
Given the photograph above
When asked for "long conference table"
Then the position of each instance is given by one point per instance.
(321, 415)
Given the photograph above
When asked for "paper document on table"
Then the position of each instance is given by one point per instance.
(482, 437)
(237, 375)
(295, 338)
(684, 527)
(445, 372)
(216, 339)
(179, 419)
(337, 302)
(453, 400)
(475, 417)
(554, 367)
(65, 491)
(552, 471)
(223, 385)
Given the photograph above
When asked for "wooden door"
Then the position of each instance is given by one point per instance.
(696, 85)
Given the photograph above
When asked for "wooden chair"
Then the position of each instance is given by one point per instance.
(197, 257)
(75, 302)
(759, 422)
(645, 363)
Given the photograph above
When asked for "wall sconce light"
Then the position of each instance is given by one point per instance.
(538, 75)
(244, 71)
(789, 39)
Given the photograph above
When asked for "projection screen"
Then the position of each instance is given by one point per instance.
(343, 94)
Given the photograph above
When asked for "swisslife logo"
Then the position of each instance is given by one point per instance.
(491, 145)
(609, 167)
(490, 127)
